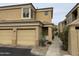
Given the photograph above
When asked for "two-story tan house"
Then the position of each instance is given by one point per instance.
(24, 25)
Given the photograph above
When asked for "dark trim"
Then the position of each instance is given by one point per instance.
(45, 8)
(25, 28)
(18, 5)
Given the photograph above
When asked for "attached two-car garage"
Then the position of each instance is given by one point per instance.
(24, 37)
(20, 33)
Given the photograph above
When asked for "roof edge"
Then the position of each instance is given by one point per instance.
(18, 5)
(72, 9)
(45, 8)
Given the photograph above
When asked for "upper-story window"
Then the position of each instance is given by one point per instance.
(46, 13)
(26, 13)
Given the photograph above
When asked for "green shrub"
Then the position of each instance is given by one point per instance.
(64, 38)
(65, 41)
(56, 33)
(42, 40)
(61, 36)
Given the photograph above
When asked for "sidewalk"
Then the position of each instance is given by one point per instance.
(55, 48)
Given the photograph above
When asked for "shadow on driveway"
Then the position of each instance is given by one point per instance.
(6, 51)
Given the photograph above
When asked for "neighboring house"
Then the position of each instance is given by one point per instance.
(72, 21)
(61, 26)
(24, 25)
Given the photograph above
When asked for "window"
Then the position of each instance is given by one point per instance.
(25, 12)
(46, 13)
(76, 27)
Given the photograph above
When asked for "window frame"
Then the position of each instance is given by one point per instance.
(22, 13)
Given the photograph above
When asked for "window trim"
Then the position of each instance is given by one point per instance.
(22, 13)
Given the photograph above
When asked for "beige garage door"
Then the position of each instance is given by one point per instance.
(6, 36)
(26, 37)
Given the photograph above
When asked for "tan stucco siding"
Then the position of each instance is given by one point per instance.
(40, 15)
(73, 41)
(50, 33)
(10, 14)
(61, 27)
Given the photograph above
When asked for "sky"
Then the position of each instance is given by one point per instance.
(60, 10)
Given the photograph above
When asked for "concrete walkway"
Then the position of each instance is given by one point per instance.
(55, 48)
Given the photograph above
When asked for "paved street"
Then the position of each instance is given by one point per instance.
(15, 52)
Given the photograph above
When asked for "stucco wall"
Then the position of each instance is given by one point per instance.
(60, 27)
(42, 17)
(72, 41)
(16, 14)
(10, 14)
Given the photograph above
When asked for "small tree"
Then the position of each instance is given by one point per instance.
(65, 41)
(61, 36)
(64, 38)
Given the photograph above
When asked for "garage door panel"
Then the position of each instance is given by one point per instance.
(6, 36)
(5, 42)
(26, 37)
(26, 43)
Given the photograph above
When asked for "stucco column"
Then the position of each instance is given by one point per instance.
(50, 33)
(73, 41)
(14, 41)
(38, 35)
